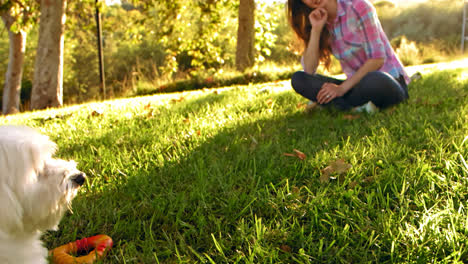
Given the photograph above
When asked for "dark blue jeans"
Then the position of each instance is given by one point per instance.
(378, 87)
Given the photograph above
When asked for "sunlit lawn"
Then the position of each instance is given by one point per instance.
(202, 177)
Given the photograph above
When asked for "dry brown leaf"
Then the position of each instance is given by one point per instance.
(148, 106)
(285, 248)
(187, 120)
(368, 179)
(337, 167)
(269, 101)
(340, 166)
(351, 117)
(296, 190)
(97, 112)
(209, 80)
(300, 105)
(352, 184)
(176, 100)
(325, 177)
(299, 154)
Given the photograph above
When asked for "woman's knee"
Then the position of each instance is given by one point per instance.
(298, 81)
(381, 82)
(383, 89)
(377, 77)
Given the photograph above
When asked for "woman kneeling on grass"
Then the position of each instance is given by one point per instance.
(351, 31)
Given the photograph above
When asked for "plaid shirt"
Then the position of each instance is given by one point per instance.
(356, 36)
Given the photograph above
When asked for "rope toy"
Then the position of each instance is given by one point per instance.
(100, 243)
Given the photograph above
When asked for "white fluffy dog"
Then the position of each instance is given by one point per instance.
(35, 191)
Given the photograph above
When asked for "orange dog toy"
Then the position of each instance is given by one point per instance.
(100, 243)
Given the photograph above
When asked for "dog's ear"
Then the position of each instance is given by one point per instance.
(23, 150)
(40, 147)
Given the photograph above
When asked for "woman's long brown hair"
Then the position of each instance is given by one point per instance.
(298, 14)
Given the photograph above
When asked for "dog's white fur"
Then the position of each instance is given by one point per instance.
(35, 191)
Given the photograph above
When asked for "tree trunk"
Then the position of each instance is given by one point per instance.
(47, 90)
(245, 56)
(14, 74)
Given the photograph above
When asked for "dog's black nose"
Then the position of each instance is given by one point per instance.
(79, 178)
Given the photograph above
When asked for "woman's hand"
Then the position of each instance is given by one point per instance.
(329, 92)
(318, 18)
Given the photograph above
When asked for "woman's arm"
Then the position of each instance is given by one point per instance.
(311, 56)
(369, 66)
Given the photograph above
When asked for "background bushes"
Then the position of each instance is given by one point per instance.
(423, 32)
(195, 47)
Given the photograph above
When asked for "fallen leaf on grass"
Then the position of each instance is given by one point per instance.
(296, 190)
(97, 112)
(269, 101)
(186, 121)
(368, 179)
(301, 105)
(351, 117)
(337, 167)
(352, 184)
(298, 154)
(176, 100)
(148, 106)
(285, 248)
(209, 80)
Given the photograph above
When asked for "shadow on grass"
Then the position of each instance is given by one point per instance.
(207, 201)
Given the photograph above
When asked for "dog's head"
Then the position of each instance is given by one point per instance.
(35, 189)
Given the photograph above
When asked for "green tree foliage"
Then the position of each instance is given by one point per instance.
(25, 13)
(164, 40)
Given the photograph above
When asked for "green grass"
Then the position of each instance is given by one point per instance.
(200, 177)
